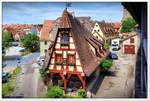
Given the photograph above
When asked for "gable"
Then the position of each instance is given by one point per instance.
(80, 35)
(65, 51)
(97, 32)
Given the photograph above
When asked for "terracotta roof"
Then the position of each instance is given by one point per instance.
(81, 37)
(116, 25)
(45, 31)
(21, 33)
(107, 28)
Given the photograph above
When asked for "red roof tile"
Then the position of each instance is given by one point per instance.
(45, 31)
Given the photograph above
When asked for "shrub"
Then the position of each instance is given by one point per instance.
(17, 71)
(55, 92)
(42, 73)
(81, 93)
(106, 64)
(106, 46)
(9, 87)
(4, 89)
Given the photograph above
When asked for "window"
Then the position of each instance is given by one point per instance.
(45, 50)
(71, 60)
(98, 30)
(97, 37)
(65, 39)
(59, 59)
(45, 42)
(132, 40)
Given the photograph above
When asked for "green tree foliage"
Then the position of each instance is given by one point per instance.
(106, 64)
(128, 25)
(6, 38)
(31, 41)
(55, 92)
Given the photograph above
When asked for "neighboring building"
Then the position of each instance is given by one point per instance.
(74, 55)
(34, 30)
(104, 31)
(116, 26)
(130, 43)
(45, 40)
(19, 35)
(38, 28)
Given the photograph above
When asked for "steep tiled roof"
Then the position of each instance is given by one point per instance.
(45, 31)
(81, 37)
(116, 25)
(107, 28)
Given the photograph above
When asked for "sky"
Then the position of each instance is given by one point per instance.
(37, 12)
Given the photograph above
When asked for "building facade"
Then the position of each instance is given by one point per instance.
(45, 39)
(70, 59)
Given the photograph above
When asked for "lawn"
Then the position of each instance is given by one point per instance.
(9, 87)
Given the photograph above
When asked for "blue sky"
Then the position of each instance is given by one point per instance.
(37, 12)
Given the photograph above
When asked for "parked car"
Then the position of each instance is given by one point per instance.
(22, 50)
(113, 56)
(5, 77)
(41, 60)
(115, 47)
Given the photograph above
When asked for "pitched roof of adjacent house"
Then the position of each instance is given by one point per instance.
(45, 31)
(128, 36)
(107, 28)
(81, 38)
(116, 25)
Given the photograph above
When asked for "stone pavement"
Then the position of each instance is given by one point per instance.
(121, 83)
(27, 81)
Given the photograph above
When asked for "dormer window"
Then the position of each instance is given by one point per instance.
(64, 39)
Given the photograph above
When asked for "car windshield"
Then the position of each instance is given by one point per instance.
(114, 44)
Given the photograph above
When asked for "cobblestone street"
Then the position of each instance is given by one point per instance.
(121, 84)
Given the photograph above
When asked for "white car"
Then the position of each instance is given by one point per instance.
(41, 60)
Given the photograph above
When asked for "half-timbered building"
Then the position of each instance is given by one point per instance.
(74, 55)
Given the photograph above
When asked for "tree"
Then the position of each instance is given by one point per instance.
(128, 25)
(6, 38)
(31, 41)
(55, 92)
(106, 64)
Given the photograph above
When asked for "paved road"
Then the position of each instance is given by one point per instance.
(24, 60)
(121, 83)
(27, 81)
